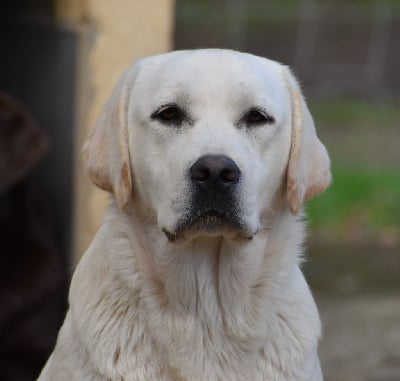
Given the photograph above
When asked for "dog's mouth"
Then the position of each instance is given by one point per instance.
(211, 223)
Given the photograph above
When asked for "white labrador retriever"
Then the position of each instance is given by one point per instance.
(194, 273)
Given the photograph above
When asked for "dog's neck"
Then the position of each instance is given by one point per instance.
(213, 278)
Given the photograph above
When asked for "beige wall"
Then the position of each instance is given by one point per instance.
(112, 35)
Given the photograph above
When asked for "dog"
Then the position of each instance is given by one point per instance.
(194, 273)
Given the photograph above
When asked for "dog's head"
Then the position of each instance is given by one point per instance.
(206, 140)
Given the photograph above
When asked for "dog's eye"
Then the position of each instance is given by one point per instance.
(169, 115)
(255, 117)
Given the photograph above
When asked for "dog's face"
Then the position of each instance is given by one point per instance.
(205, 140)
(210, 140)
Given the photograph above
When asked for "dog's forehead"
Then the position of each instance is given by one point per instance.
(212, 73)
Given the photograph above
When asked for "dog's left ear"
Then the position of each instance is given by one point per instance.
(106, 151)
(309, 167)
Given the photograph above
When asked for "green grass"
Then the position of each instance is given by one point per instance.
(363, 196)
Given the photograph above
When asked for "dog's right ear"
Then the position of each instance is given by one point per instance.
(106, 151)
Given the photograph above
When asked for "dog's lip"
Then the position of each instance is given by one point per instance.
(172, 237)
(212, 215)
(206, 218)
(210, 222)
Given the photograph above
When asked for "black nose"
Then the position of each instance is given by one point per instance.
(215, 173)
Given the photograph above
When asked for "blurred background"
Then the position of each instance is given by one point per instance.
(59, 62)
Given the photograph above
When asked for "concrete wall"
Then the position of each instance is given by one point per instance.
(112, 34)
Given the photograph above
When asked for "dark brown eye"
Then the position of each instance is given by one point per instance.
(169, 115)
(255, 117)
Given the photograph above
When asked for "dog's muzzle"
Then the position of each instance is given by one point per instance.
(213, 207)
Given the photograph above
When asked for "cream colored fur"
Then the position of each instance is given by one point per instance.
(208, 306)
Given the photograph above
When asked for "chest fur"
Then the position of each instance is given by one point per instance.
(144, 342)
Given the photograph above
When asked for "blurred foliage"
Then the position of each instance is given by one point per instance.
(356, 112)
(369, 197)
(355, 223)
(362, 137)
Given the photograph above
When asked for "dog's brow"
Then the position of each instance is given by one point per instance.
(178, 97)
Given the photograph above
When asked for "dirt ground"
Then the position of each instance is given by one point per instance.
(361, 339)
(357, 290)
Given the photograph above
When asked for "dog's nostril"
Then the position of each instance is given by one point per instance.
(230, 175)
(200, 173)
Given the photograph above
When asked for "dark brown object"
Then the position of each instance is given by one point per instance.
(31, 272)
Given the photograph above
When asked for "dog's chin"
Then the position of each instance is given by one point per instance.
(210, 224)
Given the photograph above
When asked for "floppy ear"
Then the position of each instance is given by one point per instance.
(106, 151)
(309, 166)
